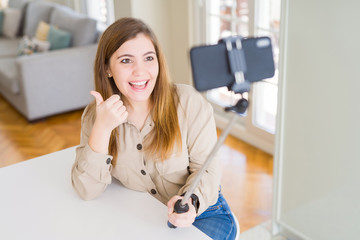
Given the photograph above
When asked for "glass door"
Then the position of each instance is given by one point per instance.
(262, 115)
(247, 18)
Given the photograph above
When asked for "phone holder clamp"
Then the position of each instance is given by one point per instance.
(237, 63)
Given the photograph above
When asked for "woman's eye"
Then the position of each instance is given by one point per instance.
(126, 60)
(149, 58)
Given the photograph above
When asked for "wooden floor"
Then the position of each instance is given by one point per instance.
(247, 182)
(247, 171)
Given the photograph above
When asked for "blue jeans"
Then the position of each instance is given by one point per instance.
(217, 221)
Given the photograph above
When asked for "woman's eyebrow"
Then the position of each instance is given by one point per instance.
(125, 55)
(149, 52)
(129, 55)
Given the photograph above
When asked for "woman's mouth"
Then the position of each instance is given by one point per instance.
(139, 85)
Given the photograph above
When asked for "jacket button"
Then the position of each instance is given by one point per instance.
(153, 191)
(108, 161)
(139, 146)
(143, 172)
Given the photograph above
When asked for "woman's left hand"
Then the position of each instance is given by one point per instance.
(181, 219)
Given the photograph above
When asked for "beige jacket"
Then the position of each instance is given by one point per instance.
(92, 172)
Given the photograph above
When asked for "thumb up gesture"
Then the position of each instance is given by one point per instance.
(109, 113)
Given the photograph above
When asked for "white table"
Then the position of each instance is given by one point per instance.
(38, 202)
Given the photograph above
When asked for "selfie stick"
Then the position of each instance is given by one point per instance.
(181, 205)
(237, 67)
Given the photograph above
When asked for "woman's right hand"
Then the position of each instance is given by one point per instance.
(109, 114)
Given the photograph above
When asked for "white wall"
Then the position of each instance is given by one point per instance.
(122, 8)
(181, 40)
(155, 13)
(169, 19)
(317, 157)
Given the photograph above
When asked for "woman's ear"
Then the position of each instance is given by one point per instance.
(108, 72)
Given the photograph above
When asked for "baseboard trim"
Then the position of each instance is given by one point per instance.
(240, 132)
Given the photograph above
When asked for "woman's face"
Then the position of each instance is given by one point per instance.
(134, 67)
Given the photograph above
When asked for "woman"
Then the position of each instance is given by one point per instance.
(148, 133)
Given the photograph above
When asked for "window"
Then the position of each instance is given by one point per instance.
(102, 11)
(265, 92)
(224, 18)
(3, 3)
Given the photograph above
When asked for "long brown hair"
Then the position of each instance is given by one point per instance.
(161, 140)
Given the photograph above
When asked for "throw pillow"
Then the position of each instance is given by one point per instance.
(38, 11)
(1, 20)
(58, 38)
(12, 17)
(42, 31)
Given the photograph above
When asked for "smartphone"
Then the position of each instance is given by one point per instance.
(211, 68)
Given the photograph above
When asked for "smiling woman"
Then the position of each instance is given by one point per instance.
(150, 134)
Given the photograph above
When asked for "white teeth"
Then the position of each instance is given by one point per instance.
(138, 83)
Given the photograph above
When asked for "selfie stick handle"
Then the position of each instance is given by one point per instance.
(181, 206)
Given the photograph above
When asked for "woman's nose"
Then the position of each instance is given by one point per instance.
(139, 68)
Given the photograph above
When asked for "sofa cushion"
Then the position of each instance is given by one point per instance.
(36, 12)
(8, 74)
(11, 23)
(22, 5)
(58, 38)
(82, 28)
(8, 47)
(18, 3)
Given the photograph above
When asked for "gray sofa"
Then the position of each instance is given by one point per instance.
(51, 82)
